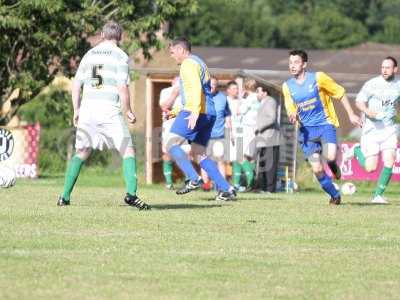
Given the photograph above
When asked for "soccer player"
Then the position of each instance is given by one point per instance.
(307, 97)
(377, 101)
(104, 75)
(216, 147)
(249, 109)
(236, 139)
(195, 121)
(169, 101)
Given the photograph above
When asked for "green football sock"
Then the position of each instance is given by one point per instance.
(167, 170)
(129, 169)
(237, 172)
(71, 175)
(359, 156)
(249, 171)
(383, 181)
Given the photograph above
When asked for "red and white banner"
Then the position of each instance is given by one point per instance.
(19, 149)
(351, 170)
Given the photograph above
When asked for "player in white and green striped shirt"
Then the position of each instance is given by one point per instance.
(104, 75)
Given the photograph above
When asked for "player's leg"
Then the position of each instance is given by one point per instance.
(207, 184)
(249, 167)
(248, 164)
(129, 168)
(235, 157)
(117, 134)
(324, 180)
(179, 133)
(221, 167)
(86, 139)
(167, 171)
(181, 158)
(366, 152)
(329, 149)
(72, 173)
(312, 151)
(167, 161)
(236, 174)
(225, 190)
(218, 154)
(388, 148)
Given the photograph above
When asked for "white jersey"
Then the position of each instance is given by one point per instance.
(164, 95)
(381, 96)
(236, 117)
(249, 110)
(101, 71)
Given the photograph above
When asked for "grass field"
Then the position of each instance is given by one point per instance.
(190, 247)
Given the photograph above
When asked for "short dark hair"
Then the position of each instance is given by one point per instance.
(392, 59)
(301, 53)
(182, 41)
(232, 82)
(213, 77)
(263, 88)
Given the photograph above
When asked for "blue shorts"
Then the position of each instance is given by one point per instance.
(200, 134)
(311, 138)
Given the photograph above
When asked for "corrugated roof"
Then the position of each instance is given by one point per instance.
(351, 67)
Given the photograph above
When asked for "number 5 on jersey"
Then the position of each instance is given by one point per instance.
(97, 79)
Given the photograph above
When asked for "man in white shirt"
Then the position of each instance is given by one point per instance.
(249, 109)
(104, 74)
(169, 101)
(377, 100)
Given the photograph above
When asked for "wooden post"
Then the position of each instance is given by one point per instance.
(149, 131)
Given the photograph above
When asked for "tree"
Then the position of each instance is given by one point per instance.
(238, 23)
(291, 24)
(331, 29)
(41, 38)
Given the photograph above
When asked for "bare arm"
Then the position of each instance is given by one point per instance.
(123, 92)
(169, 102)
(76, 100)
(362, 106)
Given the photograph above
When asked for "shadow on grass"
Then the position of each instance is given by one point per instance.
(183, 206)
(241, 198)
(369, 204)
(51, 176)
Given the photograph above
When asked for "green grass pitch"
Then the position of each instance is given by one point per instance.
(191, 247)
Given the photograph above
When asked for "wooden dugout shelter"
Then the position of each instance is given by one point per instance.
(147, 90)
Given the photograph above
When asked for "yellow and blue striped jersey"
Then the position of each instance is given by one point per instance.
(195, 89)
(312, 99)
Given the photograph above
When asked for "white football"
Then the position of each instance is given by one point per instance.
(7, 177)
(348, 188)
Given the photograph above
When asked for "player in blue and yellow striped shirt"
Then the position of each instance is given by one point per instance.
(195, 121)
(308, 101)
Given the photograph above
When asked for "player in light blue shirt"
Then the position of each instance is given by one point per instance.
(217, 146)
(377, 101)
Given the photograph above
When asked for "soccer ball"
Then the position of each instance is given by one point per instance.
(7, 177)
(348, 188)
